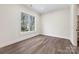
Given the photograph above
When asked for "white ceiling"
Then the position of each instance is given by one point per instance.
(45, 8)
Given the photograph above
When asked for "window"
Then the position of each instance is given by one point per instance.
(27, 22)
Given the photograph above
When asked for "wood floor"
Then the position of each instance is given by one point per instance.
(41, 45)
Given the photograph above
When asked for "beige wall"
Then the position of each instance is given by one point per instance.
(10, 24)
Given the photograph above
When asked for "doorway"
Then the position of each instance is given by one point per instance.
(77, 30)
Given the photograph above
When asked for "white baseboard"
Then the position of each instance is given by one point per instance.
(63, 37)
(57, 36)
(9, 42)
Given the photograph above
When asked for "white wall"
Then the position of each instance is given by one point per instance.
(74, 24)
(57, 23)
(10, 24)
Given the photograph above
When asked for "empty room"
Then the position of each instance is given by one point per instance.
(39, 28)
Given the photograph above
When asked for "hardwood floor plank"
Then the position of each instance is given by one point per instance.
(41, 44)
